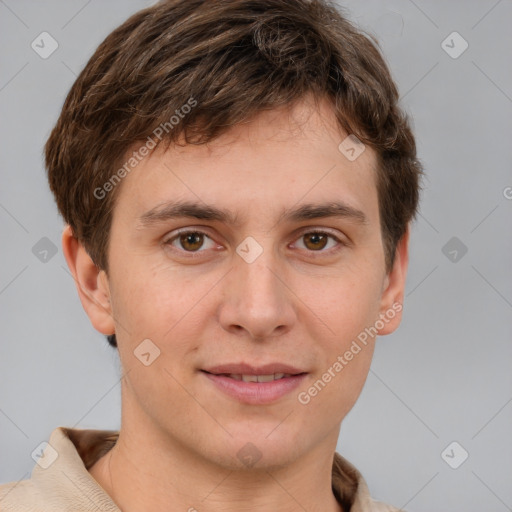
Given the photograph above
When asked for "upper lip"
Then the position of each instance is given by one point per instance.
(247, 369)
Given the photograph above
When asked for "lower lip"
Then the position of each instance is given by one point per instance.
(256, 393)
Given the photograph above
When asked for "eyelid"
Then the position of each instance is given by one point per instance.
(314, 229)
(180, 231)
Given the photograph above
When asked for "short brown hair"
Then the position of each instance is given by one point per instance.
(234, 58)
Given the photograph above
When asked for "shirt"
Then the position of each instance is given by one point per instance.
(60, 481)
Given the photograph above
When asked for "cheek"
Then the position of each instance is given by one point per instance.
(348, 305)
(146, 296)
(335, 391)
(349, 309)
(160, 304)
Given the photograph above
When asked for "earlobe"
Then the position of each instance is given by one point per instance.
(392, 299)
(91, 282)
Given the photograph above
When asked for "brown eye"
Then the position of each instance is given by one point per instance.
(191, 241)
(315, 241)
(321, 242)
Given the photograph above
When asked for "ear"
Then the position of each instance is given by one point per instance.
(91, 283)
(394, 288)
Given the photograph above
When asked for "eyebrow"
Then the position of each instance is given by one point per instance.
(202, 211)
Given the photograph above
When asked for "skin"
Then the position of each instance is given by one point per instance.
(299, 302)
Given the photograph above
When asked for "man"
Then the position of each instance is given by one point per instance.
(238, 183)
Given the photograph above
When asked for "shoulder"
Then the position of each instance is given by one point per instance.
(351, 488)
(60, 481)
(378, 506)
(14, 495)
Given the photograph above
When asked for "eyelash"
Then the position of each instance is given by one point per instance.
(197, 254)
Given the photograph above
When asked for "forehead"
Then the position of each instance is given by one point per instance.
(263, 167)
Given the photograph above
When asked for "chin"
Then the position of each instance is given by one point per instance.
(256, 449)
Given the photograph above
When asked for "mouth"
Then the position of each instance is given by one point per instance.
(256, 386)
(255, 378)
(245, 369)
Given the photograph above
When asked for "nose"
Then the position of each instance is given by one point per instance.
(257, 302)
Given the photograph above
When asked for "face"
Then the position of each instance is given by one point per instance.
(226, 263)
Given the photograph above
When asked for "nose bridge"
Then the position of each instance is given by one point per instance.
(257, 299)
(261, 285)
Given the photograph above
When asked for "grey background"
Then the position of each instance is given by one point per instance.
(444, 376)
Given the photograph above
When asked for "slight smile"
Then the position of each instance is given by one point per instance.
(255, 385)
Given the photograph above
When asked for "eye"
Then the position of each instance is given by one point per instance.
(190, 241)
(195, 241)
(317, 241)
